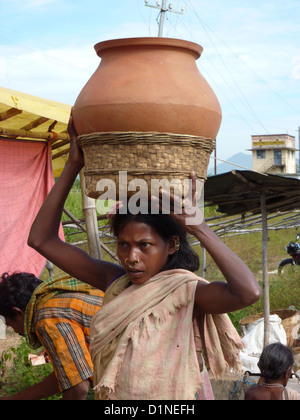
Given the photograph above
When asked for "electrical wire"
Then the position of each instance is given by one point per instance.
(207, 29)
(242, 96)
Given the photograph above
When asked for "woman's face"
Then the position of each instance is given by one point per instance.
(142, 252)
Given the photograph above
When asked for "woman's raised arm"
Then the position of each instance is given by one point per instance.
(44, 236)
(241, 289)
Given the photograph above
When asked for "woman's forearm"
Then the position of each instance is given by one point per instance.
(47, 222)
(240, 280)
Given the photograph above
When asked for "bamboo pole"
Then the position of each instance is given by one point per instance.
(45, 135)
(66, 222)
(74, 219)
(89, 210)
(78, 222)
(106, 249)
(265, 268)
(203, 268)
(58, 145)
(61, 153)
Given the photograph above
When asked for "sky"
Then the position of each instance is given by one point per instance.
(251, 55)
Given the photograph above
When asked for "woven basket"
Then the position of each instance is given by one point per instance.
(143, 156)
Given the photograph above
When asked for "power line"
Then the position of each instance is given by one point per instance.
(188, 4)
(242, 96)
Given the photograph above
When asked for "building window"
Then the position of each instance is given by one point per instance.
(277, 157)
(261, 154)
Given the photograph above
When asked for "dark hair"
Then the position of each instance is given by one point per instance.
(16, 291)
(166, 227)
(275, 360)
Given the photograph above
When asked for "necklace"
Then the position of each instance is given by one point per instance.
(272, 385)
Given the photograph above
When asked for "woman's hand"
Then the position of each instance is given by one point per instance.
(75, 153)
(186, 212)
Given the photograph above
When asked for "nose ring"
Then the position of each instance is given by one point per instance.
(132, 264)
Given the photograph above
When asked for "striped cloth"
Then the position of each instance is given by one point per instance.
(58, 317)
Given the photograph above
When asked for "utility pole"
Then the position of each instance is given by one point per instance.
(163, 10)
(299, 148)
(215, 159)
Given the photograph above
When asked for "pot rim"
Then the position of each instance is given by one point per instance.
(148, 41)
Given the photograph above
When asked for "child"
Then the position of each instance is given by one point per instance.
(55, 314)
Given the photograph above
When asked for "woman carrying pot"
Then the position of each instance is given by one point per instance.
(160, 324)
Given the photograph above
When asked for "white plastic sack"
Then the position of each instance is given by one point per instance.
(254, 341)
(2, 329)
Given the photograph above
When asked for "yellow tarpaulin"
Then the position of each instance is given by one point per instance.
(20, 111)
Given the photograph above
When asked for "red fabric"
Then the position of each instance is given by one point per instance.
(26, 177)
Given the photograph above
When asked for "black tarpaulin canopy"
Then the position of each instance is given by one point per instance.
(241, 192)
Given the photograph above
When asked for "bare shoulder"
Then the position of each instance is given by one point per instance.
(255, 393)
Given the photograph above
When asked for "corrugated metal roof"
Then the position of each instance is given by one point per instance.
(239, 192)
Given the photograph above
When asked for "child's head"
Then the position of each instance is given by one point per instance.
(15, 293)
(276, 362)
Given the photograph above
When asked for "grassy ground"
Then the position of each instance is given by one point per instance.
(284, 288)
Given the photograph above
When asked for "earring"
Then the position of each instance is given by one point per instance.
(177, 243)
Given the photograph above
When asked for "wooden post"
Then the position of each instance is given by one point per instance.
(81, 226)
(45, 135)
(203, 262)
(89, 211)
(265, 268)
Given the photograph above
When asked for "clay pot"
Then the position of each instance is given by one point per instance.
(146, 111)
(148, 85)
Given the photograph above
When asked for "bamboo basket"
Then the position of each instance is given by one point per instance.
(143, 156)
(290, 321)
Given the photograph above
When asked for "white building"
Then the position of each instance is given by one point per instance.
(274, 154)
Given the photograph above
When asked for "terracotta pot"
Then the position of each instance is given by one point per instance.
(148, 85)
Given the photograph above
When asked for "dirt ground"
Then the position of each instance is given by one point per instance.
(226, 389)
